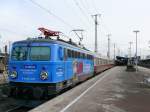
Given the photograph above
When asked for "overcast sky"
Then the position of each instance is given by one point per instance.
(20, 19)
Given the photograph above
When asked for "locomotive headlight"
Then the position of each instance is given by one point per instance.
(44, 75)
(13, 74)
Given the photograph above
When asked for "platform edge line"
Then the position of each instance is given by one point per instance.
(81, 95)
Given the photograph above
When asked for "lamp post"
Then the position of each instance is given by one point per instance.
(108, 53)
(136, 32)
(130, 50)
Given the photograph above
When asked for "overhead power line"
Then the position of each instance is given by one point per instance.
(81, 10)
(49, 12)
(75, 13)
(86, 8)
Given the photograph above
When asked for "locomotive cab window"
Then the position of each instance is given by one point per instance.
(19, 53)
(41, 53)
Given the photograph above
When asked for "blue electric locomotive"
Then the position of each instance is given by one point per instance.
(41, 67)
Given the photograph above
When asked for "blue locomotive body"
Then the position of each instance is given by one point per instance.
(40, 67)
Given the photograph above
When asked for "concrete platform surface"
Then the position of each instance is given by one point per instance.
(114, 90)
(3, 78)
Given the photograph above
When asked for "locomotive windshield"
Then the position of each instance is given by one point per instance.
(19, 53)
(36, 53)
(40, 53)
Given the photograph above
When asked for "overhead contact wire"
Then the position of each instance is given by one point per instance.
(49, 12)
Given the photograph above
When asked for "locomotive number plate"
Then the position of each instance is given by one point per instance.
(29, 66)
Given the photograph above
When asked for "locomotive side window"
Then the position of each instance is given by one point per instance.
(78, 54)
(74, 54)
(65, 53)
(60, 53)
(41, 53)
(19, 53)
(83, 55)
(88, 56)
(91, 57)
(69, 53)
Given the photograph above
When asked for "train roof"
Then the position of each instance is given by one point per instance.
(59, 41)
(101, 57)
(62, 42)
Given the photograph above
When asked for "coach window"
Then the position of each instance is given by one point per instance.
(100, 61)
(103, 62)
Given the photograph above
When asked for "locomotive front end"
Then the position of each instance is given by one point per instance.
(30, 69)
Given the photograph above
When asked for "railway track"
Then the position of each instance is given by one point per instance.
(6, 103)
(19, 109)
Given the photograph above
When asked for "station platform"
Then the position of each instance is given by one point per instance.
(3, 78)
(114, 90)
